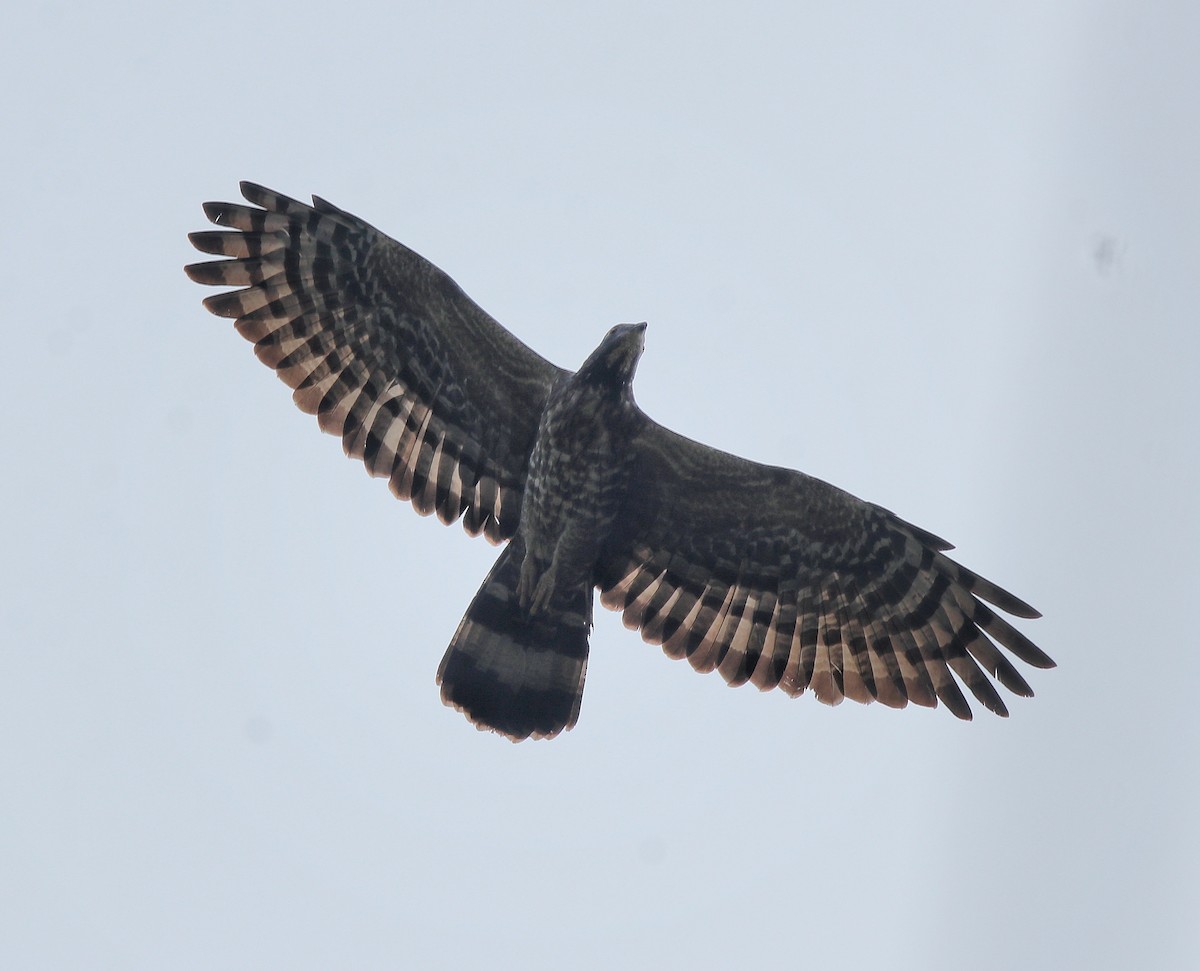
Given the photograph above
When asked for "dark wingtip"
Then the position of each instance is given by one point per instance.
(195, 271)
(1029, 652)
(324, 205)
(922, 536)
(209, 241)
(997, 596)
(1019, 608)
(214, 273)
(225, 304)
(252, 191)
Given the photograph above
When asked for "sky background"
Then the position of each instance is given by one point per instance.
(942, 255)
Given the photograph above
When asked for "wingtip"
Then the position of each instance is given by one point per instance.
(324, 205)
(1019, 608)
(225, 304)
(252, 191)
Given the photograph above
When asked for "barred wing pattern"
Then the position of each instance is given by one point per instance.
(386, 350)
(766, 575)
(775, 578)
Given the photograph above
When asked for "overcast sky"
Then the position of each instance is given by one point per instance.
(942, 255)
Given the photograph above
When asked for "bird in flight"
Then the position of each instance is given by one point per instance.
(766, 575)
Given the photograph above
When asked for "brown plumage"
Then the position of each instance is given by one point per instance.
(765, 575)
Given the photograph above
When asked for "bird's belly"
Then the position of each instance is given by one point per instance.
(563, 495)
(571, 498)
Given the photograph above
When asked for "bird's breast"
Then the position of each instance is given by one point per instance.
(577, 474)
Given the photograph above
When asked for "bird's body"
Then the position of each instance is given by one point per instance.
(763, 574)
(578, 470)
(534, 635)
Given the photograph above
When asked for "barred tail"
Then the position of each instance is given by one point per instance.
(517, 675)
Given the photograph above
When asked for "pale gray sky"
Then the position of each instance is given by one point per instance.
(942, 255)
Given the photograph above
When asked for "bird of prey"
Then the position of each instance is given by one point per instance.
(763, 574)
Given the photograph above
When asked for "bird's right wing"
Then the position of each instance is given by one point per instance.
(385, 349)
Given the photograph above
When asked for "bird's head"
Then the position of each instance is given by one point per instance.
(614, 362)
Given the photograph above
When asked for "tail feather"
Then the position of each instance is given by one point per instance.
(517, 675)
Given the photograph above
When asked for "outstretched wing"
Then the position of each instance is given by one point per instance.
(385, 349)
(776, 578)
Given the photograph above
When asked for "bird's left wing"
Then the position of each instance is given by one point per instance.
(773, 577)
(385, 349)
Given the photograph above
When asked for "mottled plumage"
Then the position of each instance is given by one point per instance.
(763, 574)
